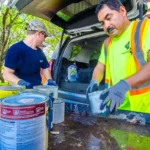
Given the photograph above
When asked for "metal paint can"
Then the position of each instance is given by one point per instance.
(58, 111)
(48, 108)
(52, 91)
(48, 89)
(10, 90)
(23, 122)
(0, 127)
(95, 102)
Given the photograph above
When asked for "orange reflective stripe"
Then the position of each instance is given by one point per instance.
(136, 43)
(133, 46)
(136, 49)
(106, 45)
(139, 91)
(141, 33)
(132, 36)
(109, 41)
(107, 81)
(137, 53)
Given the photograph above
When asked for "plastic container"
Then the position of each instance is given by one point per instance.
(58, 111)
(95, 102)
(72, 73)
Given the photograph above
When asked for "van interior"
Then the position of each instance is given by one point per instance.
(84, 54)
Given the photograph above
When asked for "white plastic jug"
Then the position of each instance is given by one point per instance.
(58, 111)
(72, 73)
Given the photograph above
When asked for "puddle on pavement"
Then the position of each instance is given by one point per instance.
(92, 133)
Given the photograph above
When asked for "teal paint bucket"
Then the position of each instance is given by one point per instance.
(23, 122)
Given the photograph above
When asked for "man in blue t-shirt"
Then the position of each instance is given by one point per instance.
(24, 60)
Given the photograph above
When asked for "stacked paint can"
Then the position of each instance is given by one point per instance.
(58, 105)
(52, 91)
(33, 91)
(58, 111)
(11, 90)
(23, 122)
(48, 89)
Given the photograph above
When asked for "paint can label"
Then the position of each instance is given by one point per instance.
(23, 128)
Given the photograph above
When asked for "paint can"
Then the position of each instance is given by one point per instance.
(48, 108)
(58, 111)
(48, 89)
(10, 90)
(95, 102)
(52, 91)
(33, 91)
(23, 122)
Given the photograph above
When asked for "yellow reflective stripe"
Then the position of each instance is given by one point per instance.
(107, 74)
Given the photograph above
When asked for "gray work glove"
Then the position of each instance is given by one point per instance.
(115, 95)
(93, 86)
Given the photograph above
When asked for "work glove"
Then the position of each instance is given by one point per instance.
(51, 82)
(115, 95)
(93, 86)
(25, 83)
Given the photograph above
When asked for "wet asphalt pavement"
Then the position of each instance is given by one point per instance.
(96, 133)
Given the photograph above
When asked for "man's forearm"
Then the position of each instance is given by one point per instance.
(141, 77)
(46, 73)
(11, 78)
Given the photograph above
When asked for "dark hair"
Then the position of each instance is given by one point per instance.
(112, 4)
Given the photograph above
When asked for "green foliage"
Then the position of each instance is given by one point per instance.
(12, 30)
(75, 51)
(63, 16)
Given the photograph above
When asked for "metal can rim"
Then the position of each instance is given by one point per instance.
(12, 88)
(11, 104)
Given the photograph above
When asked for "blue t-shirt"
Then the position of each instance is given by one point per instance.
(26, 62)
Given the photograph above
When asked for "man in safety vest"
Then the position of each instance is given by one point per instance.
(124, 59)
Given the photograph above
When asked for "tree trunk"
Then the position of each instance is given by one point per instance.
(1, 75)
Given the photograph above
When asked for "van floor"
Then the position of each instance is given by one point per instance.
(96, 133)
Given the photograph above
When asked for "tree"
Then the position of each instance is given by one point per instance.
(10, 30)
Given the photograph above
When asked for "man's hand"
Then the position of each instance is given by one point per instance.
(115, 95)
(51, 82)
(25, 83)
(93, 86)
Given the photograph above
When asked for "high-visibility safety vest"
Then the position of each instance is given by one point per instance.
(138, 98)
